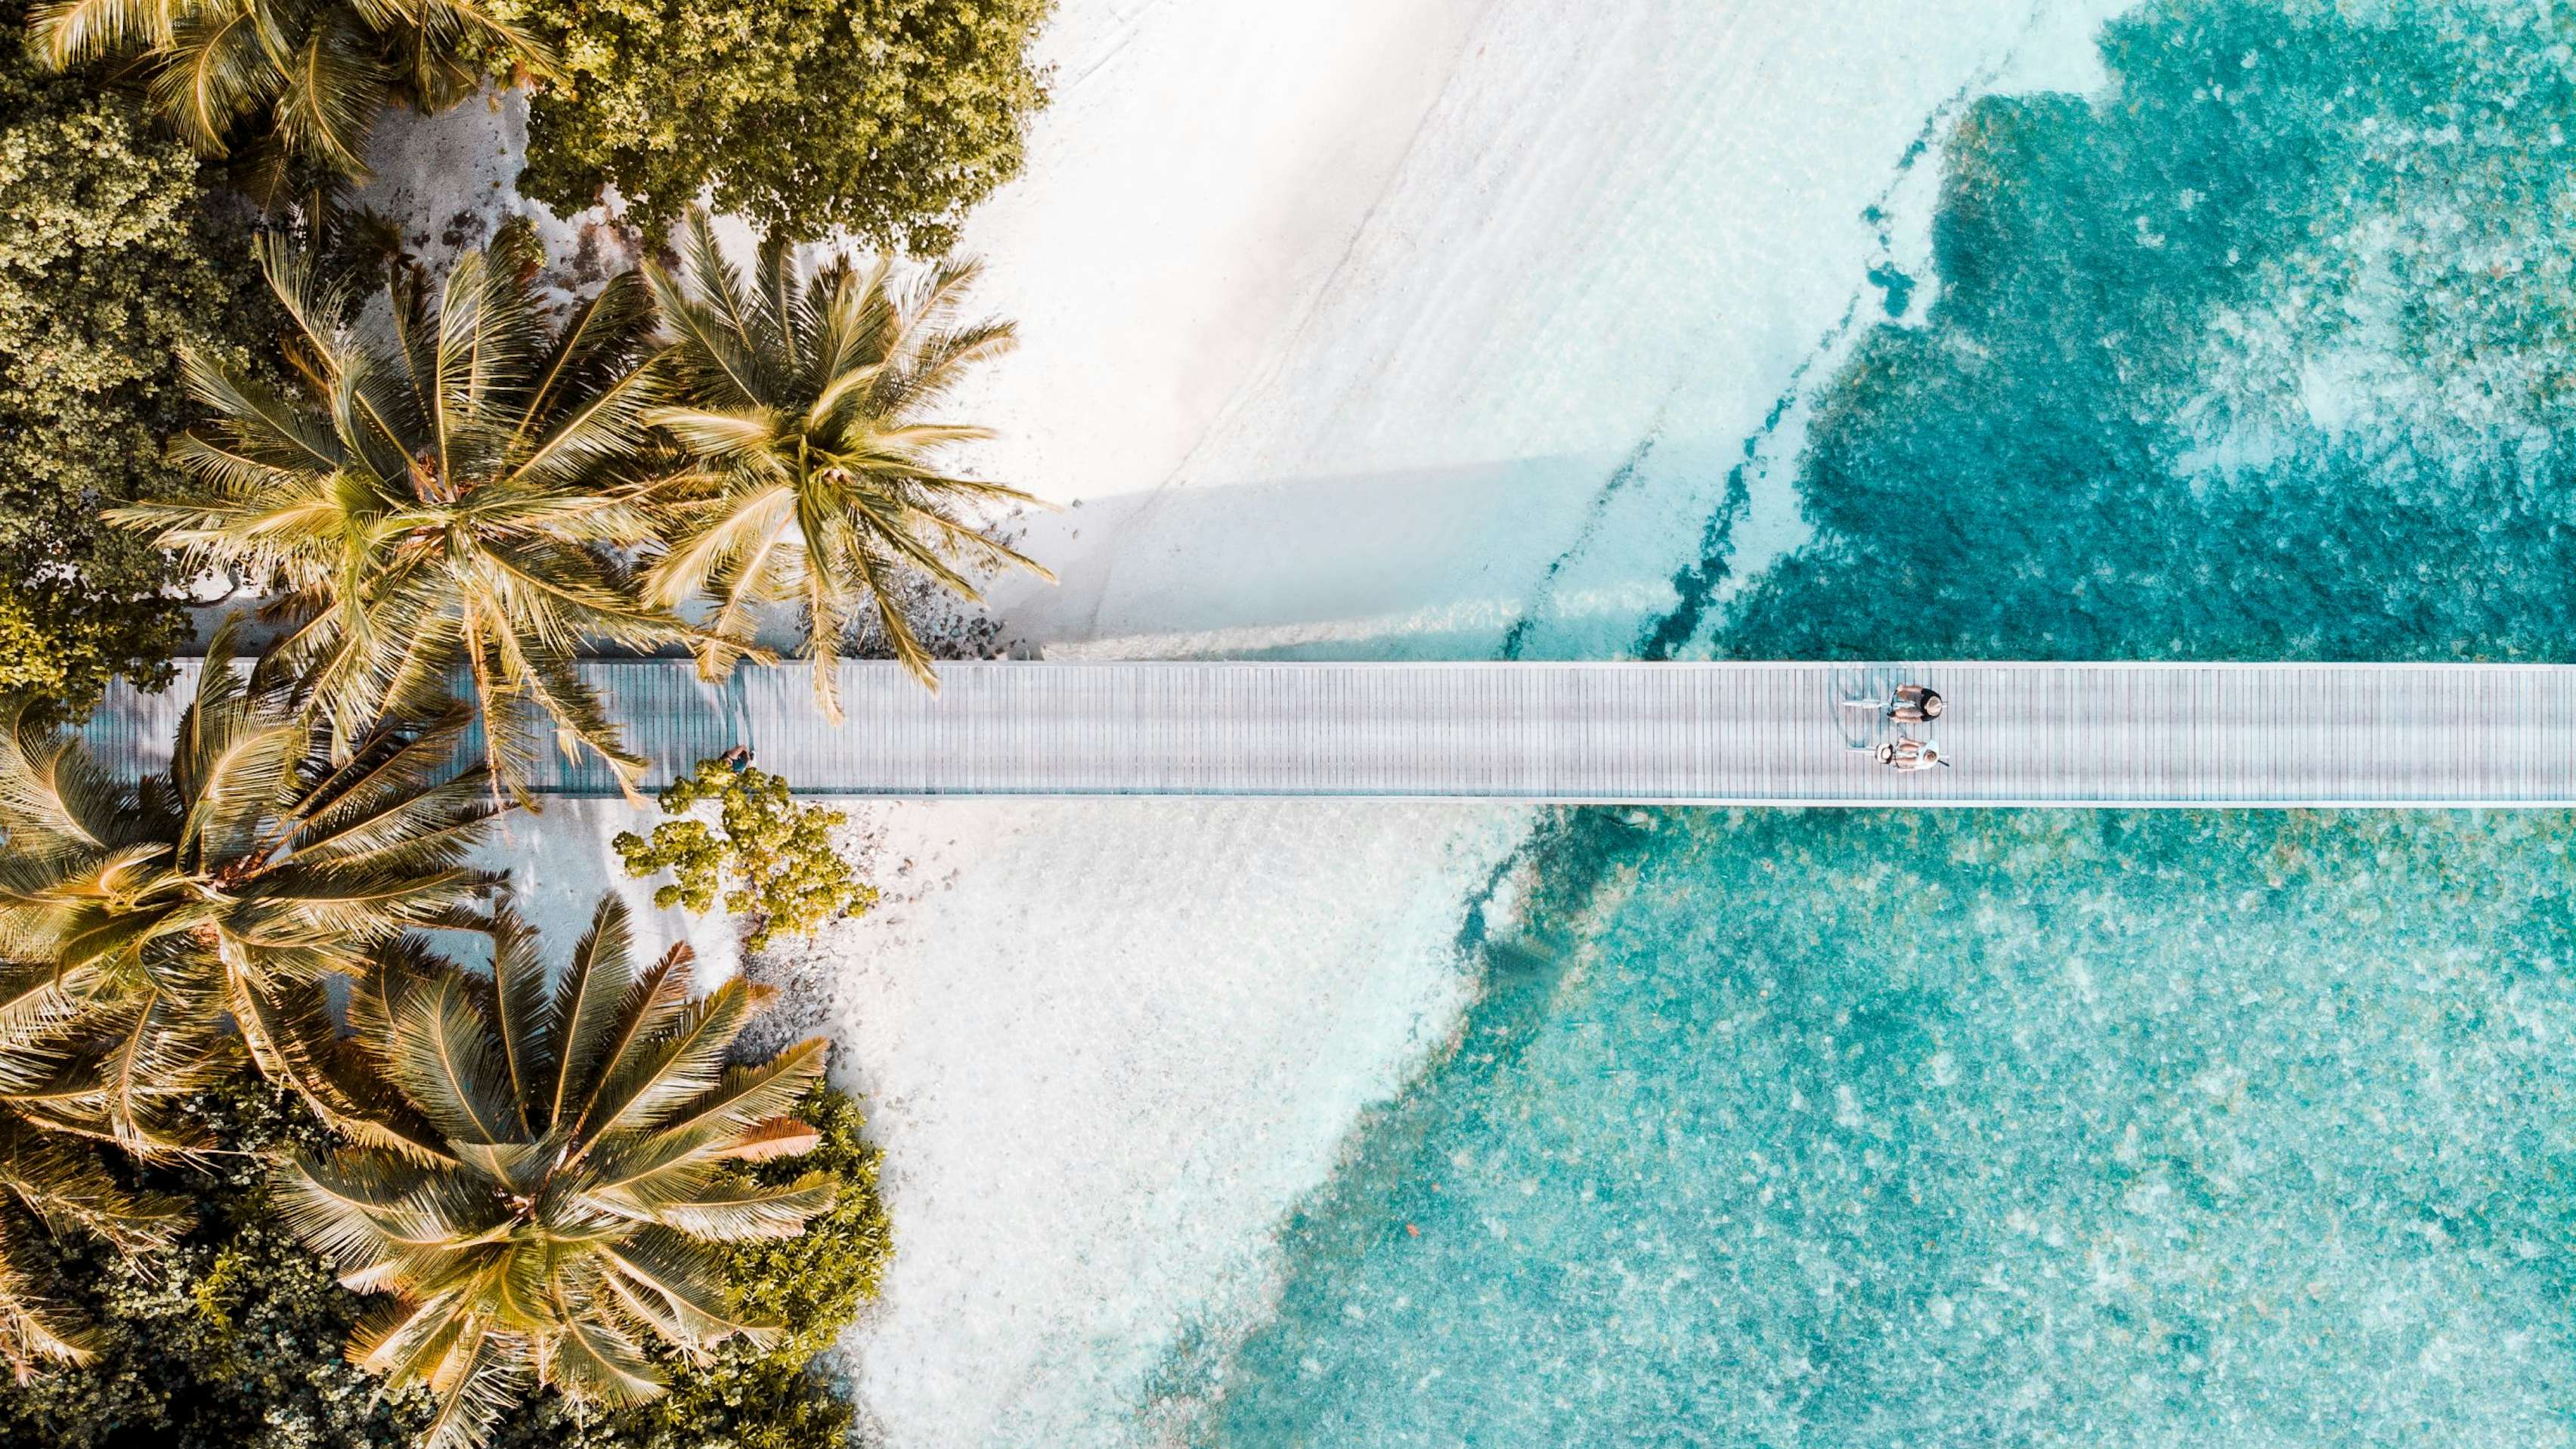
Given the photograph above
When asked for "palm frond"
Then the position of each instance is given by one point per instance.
(215, 67)
(331, 88)
(445, 1060)
(39, 1327)
(815, 389)
(67, 32)
(449, 493)
(583, 1019)
(583, 1172)
(519, 1010)
(747, 1212)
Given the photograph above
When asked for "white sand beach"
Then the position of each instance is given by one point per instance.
(1339, 324)
(1361, 328)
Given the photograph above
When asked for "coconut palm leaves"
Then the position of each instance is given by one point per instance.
(82, 1054)
(315, 71)
(51, 1188)
(817, 478)
(220, 891)
(556, 1172)
(54, 1187)
(440, 495)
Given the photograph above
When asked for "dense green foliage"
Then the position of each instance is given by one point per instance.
(230, 1063)
(603, 1123)
(461, 481)
(107, 268)
(747, 1396)
(213, 899)
(543, 1185)
(57, 1186)
(232, 1341)
(888, 118)
(773, 859)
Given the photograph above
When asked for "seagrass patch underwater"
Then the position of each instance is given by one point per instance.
(2261, 352)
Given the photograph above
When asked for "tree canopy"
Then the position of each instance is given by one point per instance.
(817, 474)
(108, 268)
(773, 861)
(442, 492)
(546, 1191)
(886, 118)
(284, 84)
(232, 1337)
(213, 898)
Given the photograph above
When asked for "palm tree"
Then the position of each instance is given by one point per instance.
(53, 1186)
(318, 71)
(223, 890)
(817, 480)
(544, 1194)
(442, 493)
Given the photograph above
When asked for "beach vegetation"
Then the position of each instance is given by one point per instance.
(231, 1336)
(55, 1187)
(546, 1188)
(885, 119)
(278, 85)
(443, 489)
(761, 1396)
(770, 858)
(817, 476)
(210, 903)
(227, 1336)
(274, 1169)
(109, 266)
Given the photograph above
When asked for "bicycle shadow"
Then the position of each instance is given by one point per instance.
(1858, 697)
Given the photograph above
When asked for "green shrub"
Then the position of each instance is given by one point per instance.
(885, 117)
(108, 264)
(773, 860)
(235, 1340)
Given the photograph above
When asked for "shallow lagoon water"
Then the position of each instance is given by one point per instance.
(1853, 1129)
(2262, 352)
(1864, 1128)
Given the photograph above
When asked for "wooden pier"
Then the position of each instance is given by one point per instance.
(2442, 735)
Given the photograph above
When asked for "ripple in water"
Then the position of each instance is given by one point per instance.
(1854, 1129)
(1859, 1129)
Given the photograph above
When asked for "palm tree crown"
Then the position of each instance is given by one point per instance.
(553, 1173)
(817, 481)
(318, 71)
(226, 887)
(441, 494)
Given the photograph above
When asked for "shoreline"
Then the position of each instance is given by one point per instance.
(1112, 1307)
(1327, 374)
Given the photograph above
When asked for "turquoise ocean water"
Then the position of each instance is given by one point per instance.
(1847, 1129)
